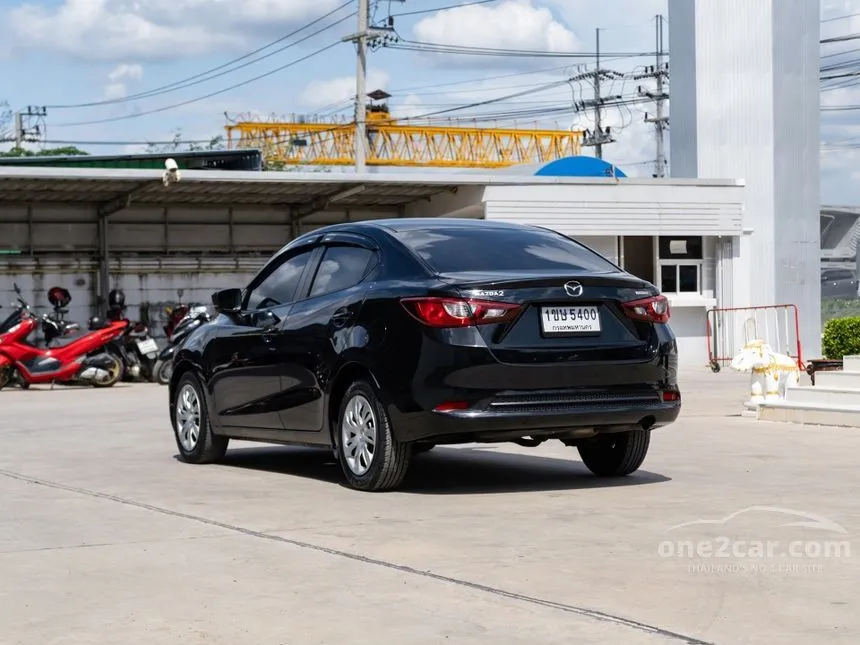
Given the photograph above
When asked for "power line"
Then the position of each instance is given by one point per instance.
(840, 39)
(453, 6)
(850, 15)
(208, 75)
(839, 108)
(57, 142)
(347, 102)
(439, 48)
(205, 96)
(480, 79)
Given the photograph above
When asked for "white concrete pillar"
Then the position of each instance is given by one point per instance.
(745, 105)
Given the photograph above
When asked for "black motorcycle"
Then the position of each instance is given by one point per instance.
(136, 348)
(195, 317)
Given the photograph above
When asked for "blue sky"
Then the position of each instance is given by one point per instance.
(68, 52)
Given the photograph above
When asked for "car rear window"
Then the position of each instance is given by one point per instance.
(500, 249)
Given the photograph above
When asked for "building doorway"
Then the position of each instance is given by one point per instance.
(637, 253)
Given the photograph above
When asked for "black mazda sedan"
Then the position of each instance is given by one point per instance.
(382, 339)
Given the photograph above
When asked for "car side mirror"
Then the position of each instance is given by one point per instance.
(227, 301)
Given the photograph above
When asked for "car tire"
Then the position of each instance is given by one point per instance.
(615, 454)
(369, 454)
(191, 427)
(163, 372)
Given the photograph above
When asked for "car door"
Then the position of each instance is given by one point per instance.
(318, 329)
(243, 358)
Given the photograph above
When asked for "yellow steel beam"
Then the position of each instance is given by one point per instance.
(403, 145)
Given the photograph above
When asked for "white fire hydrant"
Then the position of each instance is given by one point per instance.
(771, 373)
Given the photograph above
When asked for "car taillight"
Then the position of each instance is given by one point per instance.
(654, 309)
(459, 312)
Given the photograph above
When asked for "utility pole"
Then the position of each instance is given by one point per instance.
(601, 135)
(361, 85)
(365, 35)
(23, 132)
(598, 111)
(659, 72)
(19, 130)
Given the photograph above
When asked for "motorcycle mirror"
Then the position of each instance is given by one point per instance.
(17, 288)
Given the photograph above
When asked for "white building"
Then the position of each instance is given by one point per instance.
(745, 103)
(214, 229)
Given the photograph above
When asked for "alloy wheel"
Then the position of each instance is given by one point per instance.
(358, 434)
(188, 417)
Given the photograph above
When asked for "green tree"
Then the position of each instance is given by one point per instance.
(66, 151)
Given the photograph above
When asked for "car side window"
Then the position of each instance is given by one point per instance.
(341, 267)
(279, 287)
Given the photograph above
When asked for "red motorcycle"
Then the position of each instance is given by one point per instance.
(68, 363)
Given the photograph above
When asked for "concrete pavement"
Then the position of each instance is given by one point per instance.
(105, 537)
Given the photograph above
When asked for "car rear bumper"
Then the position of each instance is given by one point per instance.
(454, 390)
(495, 423)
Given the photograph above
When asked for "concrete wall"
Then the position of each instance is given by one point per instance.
(149, 284)
(60, 229)
(745, 103)
(154, 253)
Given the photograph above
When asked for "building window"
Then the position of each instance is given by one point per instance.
(680, 263)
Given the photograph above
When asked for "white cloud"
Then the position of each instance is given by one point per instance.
(333, 92)
(125, 71)
(625, 19)
(117, 86)
(154, 29)
(410, 107)
(510, 24)
(115, 91)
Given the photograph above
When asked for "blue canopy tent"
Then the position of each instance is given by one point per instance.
(579, 166)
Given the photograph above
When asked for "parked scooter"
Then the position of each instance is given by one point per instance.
(8, 374)
(136, 348)
(195, 317)
(71, 362)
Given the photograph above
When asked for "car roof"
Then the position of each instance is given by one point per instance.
(430, 223)
(397, 225)
(392, 226)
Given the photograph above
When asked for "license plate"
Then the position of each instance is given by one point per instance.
(570, 320)
(147, 346)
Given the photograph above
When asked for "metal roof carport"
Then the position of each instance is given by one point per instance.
(70, 209)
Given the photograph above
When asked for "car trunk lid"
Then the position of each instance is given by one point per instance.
(564, 317)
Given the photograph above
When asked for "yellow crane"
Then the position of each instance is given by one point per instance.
(392, 144)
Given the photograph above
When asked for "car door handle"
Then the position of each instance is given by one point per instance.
(341, 317)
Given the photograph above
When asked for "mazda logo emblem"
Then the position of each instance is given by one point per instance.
(573, 289)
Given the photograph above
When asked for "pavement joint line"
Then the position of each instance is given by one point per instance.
(475, 586)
